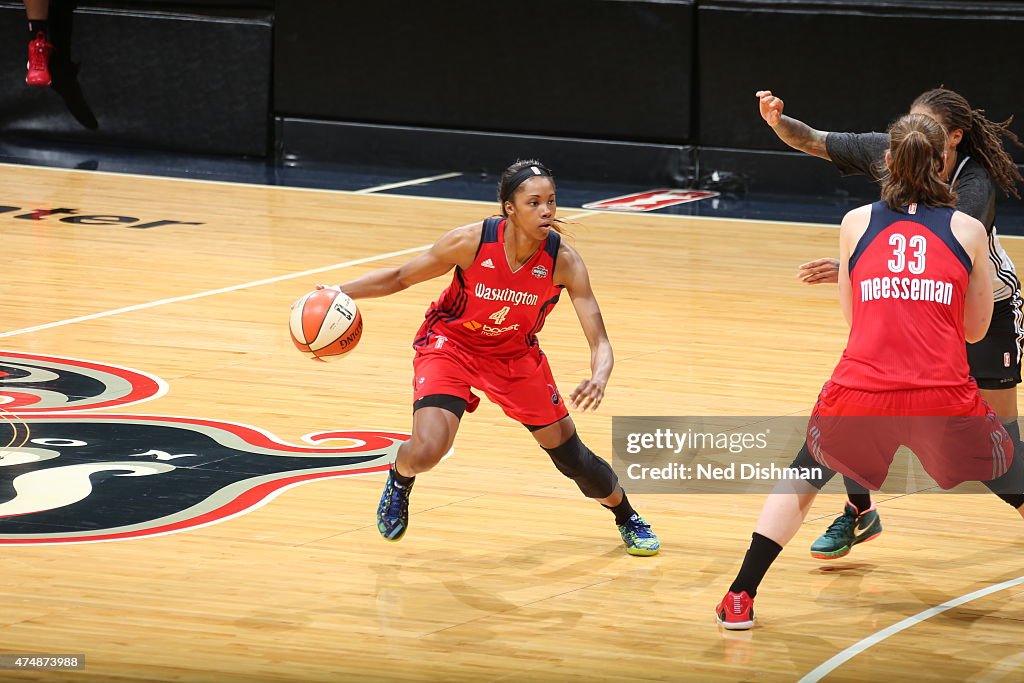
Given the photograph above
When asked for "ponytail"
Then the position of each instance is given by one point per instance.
(916, 146)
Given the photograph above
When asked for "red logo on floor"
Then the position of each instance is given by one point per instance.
(650, 200)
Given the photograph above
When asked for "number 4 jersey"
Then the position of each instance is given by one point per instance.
(489, 309)
(909, 279)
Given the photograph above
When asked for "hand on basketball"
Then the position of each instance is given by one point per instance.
(819, 271)
(587, 396)
(337, 287)
(771, 107)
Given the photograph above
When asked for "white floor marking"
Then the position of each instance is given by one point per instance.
(849, 653)
(222, 290)
(406, 183)
(232, 288)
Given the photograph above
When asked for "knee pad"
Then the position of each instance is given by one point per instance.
(594, 477)
(804, 459)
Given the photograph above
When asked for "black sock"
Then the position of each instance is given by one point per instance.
(37, 26)
(861, 501)
(1014, 500)
(1010, 486)
(401, 478)
(1013, 429)
(623, 511)
(857, 495)
(760, 555)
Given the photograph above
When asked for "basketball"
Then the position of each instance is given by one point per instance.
(326, 324)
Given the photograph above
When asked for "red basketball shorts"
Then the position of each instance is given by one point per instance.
(951, 430)
(522, 387)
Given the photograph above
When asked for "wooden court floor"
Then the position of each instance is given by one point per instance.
(507, 573)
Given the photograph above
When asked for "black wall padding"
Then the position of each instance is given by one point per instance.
(302, 141)
(211, 7)
(180, 82)
(610, 69)
(778, 172)
(852, 66)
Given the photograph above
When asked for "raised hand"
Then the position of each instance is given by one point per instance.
(770, 106)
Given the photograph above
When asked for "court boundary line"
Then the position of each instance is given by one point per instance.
(373, 191)
(840, 658)
(365, 193)
(211, 292)
(231, 288)
(404, 183)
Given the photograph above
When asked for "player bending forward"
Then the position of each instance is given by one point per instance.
(482, 334)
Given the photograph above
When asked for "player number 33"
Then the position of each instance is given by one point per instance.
(898, 262)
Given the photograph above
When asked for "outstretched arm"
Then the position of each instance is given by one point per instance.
(800, 136)
(794, 133)
(455, 248)
(572, 273)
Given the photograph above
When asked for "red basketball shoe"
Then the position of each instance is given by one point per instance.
(39, 62)
(736, 611)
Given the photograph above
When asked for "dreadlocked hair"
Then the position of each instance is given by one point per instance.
(916, 145)
(981, 138)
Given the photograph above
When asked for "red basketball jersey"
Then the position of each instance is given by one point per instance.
(489, 308)
(909, 277)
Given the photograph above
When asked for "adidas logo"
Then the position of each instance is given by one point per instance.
(488, 264)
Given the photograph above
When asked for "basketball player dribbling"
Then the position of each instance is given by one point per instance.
(914, 286)
(976, 164)
(482, 334)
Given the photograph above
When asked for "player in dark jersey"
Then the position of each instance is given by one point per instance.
(481, 334)
(914, 287)
(976, 164)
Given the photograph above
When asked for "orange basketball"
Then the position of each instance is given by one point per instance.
(326, 324)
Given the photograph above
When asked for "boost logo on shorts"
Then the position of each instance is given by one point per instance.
(68, 477)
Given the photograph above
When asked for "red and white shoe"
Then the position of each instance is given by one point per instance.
(39, 50)
(736, 611)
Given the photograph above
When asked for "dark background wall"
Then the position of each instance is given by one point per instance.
(550, 67)
(852, 65)
(596, 70)
(658, 91)
(189, 78)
